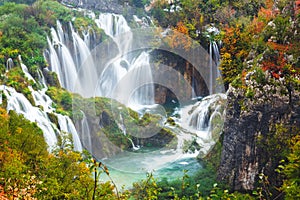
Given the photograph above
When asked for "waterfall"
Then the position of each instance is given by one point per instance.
(79, 73)
(86, 38)
(68, 68)
(86, 135)
(19, 103)
(41, 78)
(67, 125)
(25, 70)
(214, 60)
(81, 47)
(61, 61)
(203, 119)
(122, 127)
(211, 74)
(125, 74)
(9, 64)
(60, 32)
(41, 99)
(53, 59)
(133, 145)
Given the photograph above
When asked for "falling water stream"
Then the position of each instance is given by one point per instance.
(120, 79)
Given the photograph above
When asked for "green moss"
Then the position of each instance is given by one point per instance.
(133, 114)
(62, 99)
(249, 93)
(237, 82)
(191, 146)
(171, 121)
(213, 158)
(4, 100)
(260, 76)
(53, 118)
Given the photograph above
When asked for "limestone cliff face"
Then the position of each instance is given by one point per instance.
(184, 71)
(112, 6)
(249, 121)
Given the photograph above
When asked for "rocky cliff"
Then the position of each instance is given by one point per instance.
(253, 139)
(111, 6)
(184, 71)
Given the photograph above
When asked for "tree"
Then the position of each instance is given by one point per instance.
(291, 170)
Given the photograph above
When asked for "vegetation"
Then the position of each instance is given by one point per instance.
(290, 169)
(28, 170)
(24, 30)
(259, 50)
(256, 28)
(259, 47)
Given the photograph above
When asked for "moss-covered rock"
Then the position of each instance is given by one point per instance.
(114, 127)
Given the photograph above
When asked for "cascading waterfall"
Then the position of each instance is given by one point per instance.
(60, 32)
(25, 69)
(214, 60)
(41, 78)
(66, 125)
(9, 64)
(39, 113)
(122, 75)
(127, 78)
(83, 50)
(200, 118)
(19, 103)
(123, 66)
(122, 127)
(86, 135)
(60, 58)
(120, 78)
(54, 60)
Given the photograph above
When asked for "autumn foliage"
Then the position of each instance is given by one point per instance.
(179, 38)
(274, 63)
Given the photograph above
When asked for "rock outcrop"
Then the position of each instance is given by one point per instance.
(111, 6)
(249, 133)
(113, 128)
(174, 88)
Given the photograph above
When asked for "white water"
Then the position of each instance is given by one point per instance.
(124, 77)
(60, 58)
(18, 102)
(127, 77)
(25, 70)
(214, 61)
(41, 78)
(86, 134)
(9, 64)
(128, 167)
(122, 127)
(67, 125)
(38, 112)
(197, 119)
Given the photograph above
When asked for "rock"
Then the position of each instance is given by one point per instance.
(184, 70)
(51, 78)
(111, 6)
(104, 119)
(247, 120)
